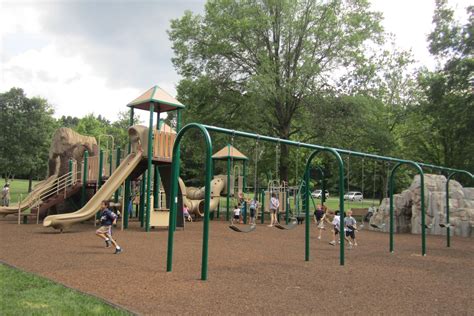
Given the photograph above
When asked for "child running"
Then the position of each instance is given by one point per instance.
(274, 205)
(236, 216)
(336, 222)
(350, 226)
(107, 218)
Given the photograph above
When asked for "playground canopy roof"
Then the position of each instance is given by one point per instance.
(162, 101)
(229, 151)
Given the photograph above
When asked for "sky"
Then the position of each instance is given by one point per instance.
(88, 56)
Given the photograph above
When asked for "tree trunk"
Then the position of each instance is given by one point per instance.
(30, 181)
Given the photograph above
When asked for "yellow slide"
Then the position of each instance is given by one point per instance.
(63, 221)
(31, 198)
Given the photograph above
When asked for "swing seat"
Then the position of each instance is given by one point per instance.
(447, 225)
(286, 227)
(243, 229)
(377, 227)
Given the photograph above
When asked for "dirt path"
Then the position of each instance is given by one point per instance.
(262, 272)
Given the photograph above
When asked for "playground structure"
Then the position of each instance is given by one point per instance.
(154, 154)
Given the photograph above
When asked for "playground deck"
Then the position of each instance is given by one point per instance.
(262, 272)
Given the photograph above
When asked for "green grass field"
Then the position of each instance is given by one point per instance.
(26, 294)
(17, 187)
(332, 203)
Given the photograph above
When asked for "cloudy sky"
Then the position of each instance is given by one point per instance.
(95, 56)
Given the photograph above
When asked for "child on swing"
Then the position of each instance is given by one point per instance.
(320, 217)
(274, 205)
(350, 226)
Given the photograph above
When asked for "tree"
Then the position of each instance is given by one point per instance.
(26, 134)
(271, 55)
(447, 110)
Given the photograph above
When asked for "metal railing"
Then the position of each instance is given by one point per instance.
(59, 186)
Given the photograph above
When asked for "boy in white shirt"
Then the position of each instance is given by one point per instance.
(236, 214)
(336, 222)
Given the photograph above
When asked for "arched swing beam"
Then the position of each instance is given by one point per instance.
(448, 229)
(205, 129)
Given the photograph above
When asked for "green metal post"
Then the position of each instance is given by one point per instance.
(448, 230)
(423, 223)
(111, 157)
(391, 190)
(227, 214)
(422, 193)
(150, 169)
(101, 166)
(141, 213)
(306, 209)
(207, 198)
(262, 216)
(85, 171)
(244, 191)
(117, 164)
(128, 184)
(156, 176)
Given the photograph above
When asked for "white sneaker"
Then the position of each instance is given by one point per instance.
(332, 243)
(319, 237)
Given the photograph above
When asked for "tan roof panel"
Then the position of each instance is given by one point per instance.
(229, 151)
(161, 100)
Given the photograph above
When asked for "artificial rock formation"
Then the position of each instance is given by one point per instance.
(407, 208)
(67, 144)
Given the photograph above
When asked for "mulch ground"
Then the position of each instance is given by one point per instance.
(262, 272)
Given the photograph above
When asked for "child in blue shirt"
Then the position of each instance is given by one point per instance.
(107, 219)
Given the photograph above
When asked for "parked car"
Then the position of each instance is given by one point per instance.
(353, 196)
(317, 194)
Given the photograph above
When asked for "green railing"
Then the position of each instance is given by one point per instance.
(336, 152)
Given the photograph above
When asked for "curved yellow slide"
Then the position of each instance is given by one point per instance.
(63, 221)
(31, 198)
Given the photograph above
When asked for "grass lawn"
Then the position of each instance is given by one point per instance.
(17, 187)
(332, 203)
(26, 294)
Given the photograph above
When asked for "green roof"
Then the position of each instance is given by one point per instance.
(162, 101)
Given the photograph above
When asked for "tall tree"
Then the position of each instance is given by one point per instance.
(273, 53)
(448, 107)
(26, 134)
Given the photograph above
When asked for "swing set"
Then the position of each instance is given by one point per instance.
(316, 149)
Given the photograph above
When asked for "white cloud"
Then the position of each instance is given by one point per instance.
(68, 82)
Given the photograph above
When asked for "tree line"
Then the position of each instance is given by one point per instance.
(325, 72)
(28, 125)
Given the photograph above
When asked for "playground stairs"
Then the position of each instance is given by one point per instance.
(55, 199)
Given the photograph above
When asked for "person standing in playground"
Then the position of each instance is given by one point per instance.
(253, 205)
(274, 205)
(6, 195)
(107, 219)
(336, 223)
(350, 227)
(319, 218)
(236, 216)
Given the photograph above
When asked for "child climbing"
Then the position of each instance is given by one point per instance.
(107, 219)
(350, 227)
(236, 216)
(274, 205)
